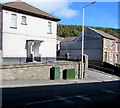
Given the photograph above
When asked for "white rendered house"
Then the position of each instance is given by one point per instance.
(28, 34)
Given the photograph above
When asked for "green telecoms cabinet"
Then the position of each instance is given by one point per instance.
(69, 74)
(55, 73)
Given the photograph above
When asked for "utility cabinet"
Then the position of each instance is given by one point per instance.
(69, 74)
(55, 73)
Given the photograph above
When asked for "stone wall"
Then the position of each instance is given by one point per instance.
(36, 71)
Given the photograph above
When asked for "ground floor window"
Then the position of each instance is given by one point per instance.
(105, 56)
(110, 56)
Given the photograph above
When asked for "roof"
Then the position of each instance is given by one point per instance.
(118, 41)
(103, 34)
(68, 39)
(22, 7)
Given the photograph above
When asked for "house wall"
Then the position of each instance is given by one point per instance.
(14, 40)
(111, 49)
(92, 46)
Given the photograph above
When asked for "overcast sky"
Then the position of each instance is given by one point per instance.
(104, 13)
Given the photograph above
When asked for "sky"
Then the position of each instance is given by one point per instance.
(104, 13)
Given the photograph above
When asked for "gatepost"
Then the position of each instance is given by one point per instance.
(85, 60)
(85, 70)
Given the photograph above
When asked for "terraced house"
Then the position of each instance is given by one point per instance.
(27, 33)
(118, 51)
(110, 51)
(99, 46)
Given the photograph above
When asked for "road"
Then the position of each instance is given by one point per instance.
(79, 95)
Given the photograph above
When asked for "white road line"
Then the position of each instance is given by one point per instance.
(108, 91)
(46, 101)
(61, 98)
(83, 97)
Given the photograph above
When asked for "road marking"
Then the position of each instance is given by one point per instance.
(60, 98)
(108, 91)
(46, 101)
(83, 97)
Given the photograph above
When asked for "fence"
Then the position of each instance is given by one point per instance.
(115, 68)
(108, 68)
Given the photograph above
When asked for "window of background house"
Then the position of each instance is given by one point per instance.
(111, 44)
(24, 20)
(105, 56)
(49, 27)
(116, 47)
(105, 43)
(110, 56)
(13, 21)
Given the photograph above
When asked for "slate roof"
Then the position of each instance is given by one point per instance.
(59, 38)
(103, 34)
(22, 7)
(118, 41)
(68, 39)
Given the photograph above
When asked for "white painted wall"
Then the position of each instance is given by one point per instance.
(14, 40)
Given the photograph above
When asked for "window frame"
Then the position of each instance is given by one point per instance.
(49, 28)
(105, 57)
(111, 44)
(15, 21)
(105, 43)
(22, 20)
(110, 56)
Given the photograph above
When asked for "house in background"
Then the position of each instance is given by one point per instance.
(118, 51)
(98, 45)
(59, 40)
(28, 33)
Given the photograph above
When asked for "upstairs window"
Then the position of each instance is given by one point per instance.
(116, 47)
(105, 43)
(49, 27)
(111, 44)
(24, 20)
(13, 21)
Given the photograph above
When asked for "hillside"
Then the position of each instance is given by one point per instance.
(74, 30)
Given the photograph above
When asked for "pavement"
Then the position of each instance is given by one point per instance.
(93, 76)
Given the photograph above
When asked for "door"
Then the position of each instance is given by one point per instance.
(29, 51)
(105, 56)
(35, 49)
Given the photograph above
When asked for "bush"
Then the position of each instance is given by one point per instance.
(117, 65)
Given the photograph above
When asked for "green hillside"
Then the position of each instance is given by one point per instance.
(74, 30)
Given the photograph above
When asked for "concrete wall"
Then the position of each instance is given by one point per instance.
(36, 71)
(14, 40)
